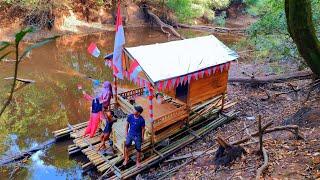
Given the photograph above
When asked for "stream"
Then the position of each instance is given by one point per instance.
(53, 100)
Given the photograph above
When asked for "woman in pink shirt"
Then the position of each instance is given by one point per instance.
(101, 100)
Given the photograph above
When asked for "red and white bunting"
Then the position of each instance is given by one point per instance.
(165, 84)
(181, 80)
(185, 80)
(168, 84)
(195, 76)
(177, 82)
(221, 68)
(201, 74)
(208, 72)
(214, 69)
(228, 66)
(173, 82)
(189, 77)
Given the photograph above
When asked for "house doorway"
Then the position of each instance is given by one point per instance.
(182, 92)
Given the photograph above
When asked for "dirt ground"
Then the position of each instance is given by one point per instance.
(69, 19)
(288, 158)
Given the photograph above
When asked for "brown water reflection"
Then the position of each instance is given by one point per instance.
(53, 101)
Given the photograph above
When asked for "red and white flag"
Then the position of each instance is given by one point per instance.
(93, 50)
(134, 70)
(118, 43)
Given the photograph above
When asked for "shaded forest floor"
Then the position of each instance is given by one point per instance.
(288, 158)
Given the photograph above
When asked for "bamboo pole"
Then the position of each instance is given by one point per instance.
(188, 103)
(115, 89)
(223, 101)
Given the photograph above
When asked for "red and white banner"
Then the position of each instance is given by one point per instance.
(118, 43)
(134, 70)
(176, 81)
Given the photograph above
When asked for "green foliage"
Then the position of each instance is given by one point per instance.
(20, 35)
(100, 2)
(220, 4)
(269, 35)
(221, 20)
(187, 10)
(183, 8)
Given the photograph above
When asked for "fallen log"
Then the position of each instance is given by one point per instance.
(26, 154)
(154, 18)
(213, 29)
(300, 75)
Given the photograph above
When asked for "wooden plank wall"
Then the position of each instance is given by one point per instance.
(208, 87)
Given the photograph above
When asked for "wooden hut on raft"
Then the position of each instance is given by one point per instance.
(187, 72)
(192, 77)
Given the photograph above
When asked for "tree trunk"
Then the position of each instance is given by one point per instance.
(302, 31)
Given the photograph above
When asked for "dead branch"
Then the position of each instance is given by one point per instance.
(291, 128)
(20, 79)
(200, 153)
(154, 18)
(300, 75)
(260, 134)
(264, 165)
(222, 142)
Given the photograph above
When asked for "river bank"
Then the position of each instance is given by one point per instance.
(53, 101)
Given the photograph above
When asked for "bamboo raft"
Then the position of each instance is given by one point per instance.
(202, 119)
(192, 102)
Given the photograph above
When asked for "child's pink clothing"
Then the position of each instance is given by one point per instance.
(96, 108)
(95, 116)
(93, 124)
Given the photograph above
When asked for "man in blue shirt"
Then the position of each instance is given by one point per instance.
(136, 127)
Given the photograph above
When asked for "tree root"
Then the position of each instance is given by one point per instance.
(264, 165)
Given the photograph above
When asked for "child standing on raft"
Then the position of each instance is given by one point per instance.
(98, 102)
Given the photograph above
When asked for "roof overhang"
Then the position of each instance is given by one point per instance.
(173, 59)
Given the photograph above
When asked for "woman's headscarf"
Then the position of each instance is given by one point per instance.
(107, 90)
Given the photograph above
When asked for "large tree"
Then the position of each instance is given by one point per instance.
(303, 33)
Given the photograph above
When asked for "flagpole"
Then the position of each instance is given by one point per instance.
(115, 89)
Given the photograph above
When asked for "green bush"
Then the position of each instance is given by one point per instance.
(220, 4)
(187, 10)
(269, 35)
(184, 9)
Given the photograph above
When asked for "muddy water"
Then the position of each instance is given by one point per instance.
(53, 101)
